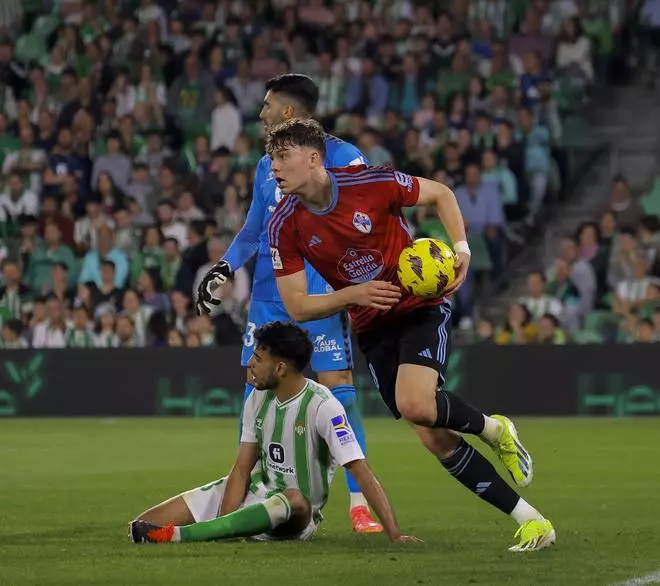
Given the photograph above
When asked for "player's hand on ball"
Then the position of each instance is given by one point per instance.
(407, 539)
(207, 299)
(376, 294)
(461, 266)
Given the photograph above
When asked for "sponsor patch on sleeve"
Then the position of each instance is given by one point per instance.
(342, 430)
(276, 258)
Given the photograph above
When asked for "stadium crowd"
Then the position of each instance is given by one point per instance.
(603, 286)
(129, 136)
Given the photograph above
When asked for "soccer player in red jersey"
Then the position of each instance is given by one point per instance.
(348, 224)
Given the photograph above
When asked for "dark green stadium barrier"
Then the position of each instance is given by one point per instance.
(615, 380)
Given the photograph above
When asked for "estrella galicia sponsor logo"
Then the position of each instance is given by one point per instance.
(359, 266)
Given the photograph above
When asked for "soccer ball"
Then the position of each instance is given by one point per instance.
(426, 267)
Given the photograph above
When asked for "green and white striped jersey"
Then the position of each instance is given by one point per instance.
(301, 441)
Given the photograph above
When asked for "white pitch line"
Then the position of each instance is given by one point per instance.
(653, 578)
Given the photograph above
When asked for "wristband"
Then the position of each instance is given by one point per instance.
(462, 246)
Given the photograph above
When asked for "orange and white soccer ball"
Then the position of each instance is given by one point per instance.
(426, 267)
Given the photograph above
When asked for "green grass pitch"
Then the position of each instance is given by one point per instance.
(69, 487)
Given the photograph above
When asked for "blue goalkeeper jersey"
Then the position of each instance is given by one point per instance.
(253, 236)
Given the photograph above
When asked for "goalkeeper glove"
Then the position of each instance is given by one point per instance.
(215, 278)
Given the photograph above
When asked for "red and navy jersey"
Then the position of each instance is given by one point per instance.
(357, 238)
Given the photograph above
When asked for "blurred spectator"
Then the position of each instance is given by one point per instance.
(627, 209)
(485, 331)
(51, 211)
(248, 92)
(46, 254)
(50, 333)
(574, 53)
(17, 200)
(104, 329)
(11, 335)
(367, 92)
(582, 275)
(518, 328)
(226, 121)
(538, 302)
(369, 143)
(27, 160)
(105, 251)
(646, 332)
(139, 314)
(623, 257)
(550, 330)
(13, 293)
(125, 332)
(150, 286)
(115, 164)
(591, 249)
(483, 213)
(169, 225)
(536, 139)
(632, 292)
(648, 234)
(80, 334)
(501, 176)
(175, 339)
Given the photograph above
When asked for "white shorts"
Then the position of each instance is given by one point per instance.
(204, 503)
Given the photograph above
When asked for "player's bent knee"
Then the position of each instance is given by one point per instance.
(173, 511)
(415, 412)
(300, 506)
(335, 378)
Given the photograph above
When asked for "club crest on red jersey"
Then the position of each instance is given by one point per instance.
(362, 222)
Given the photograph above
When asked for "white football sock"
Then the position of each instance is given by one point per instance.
(358, 500)
(278, 509)
(492, 430)
(176, 536)
(524, 512)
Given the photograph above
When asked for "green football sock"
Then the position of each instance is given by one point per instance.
(246, 522)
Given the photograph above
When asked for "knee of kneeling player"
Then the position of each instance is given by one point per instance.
(300, 506)
(416, 411)
(335, 378)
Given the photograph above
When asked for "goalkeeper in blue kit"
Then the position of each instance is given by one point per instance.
(294, 96)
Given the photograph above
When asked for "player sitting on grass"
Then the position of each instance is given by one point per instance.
(294, 435)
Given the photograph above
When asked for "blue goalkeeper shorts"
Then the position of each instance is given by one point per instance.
(330, 336)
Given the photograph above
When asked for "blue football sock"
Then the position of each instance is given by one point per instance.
(248, 389)
(347, 396)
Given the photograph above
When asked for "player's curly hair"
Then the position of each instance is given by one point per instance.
(296, 132)
(285, 340)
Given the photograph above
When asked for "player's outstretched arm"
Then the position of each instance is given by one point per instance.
(239, 477)
(303, 307)
(443, 199)
(375, 494)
